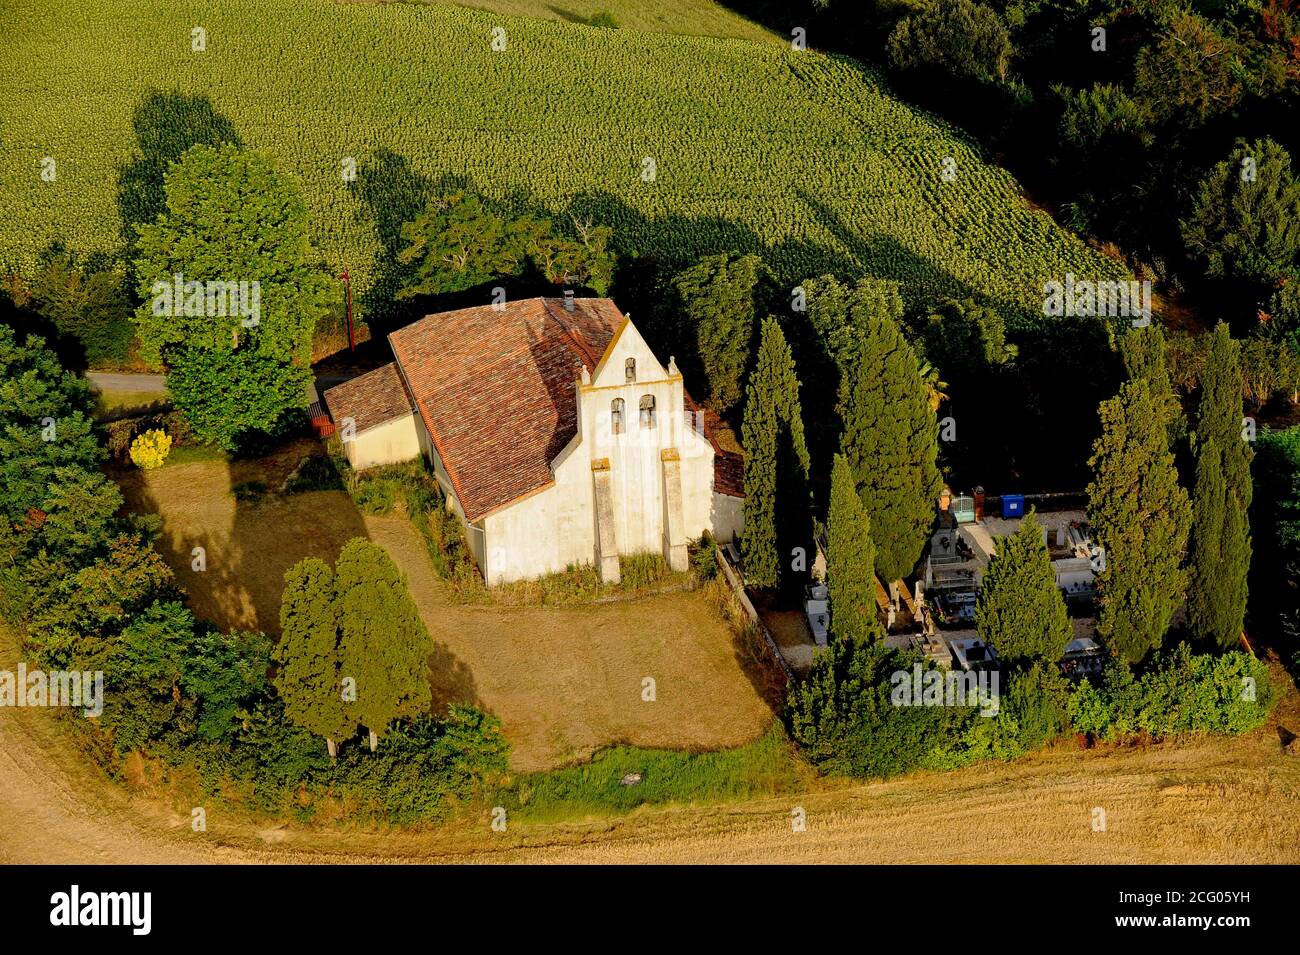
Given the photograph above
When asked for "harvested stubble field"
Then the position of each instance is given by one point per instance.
(554, 676)
(564, 681)
(1204, 801)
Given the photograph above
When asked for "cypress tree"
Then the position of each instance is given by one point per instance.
(1141, 516)
(383, 643)
(1220, 539)
(777, 507)
(850, 559)
(891, 442)
(1146, 356)
(1218, 415)
(1021, 612)
(307, 656)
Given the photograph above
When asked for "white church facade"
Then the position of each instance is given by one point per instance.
(557, 435)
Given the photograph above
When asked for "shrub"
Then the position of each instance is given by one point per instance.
(704, 557)
(844, 720)
(150, 449)
(765, 767)
(119, 434)
(1180, 692)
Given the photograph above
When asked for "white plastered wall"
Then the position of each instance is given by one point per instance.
(392, 442)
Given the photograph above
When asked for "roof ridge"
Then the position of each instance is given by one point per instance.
(574, 334)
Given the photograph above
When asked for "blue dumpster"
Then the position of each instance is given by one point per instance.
(1013, 505)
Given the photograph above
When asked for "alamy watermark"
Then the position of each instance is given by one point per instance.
(37, 688)
(1086, 298)
(215, 298)
(921, 687)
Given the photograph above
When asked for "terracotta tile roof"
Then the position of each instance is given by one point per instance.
(496, 389)
(728, 466)
(369, 399)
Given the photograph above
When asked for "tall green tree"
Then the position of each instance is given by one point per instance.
(1146, 356)
(1219, 410)
(777, 509)
(1220, 538)
(836, 311)
(1190, 74)
(44, 423)
(234, 221)
(850, 559)
(264, 390)
(308, 677)
(962, 38)
(383, 643)
(891, 442)
(85, 297)
(1245, 217)
(720, 298)
(1142, 517)
(458, 241)
(1021, 612)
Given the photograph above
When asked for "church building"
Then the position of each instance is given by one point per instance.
(558, 436)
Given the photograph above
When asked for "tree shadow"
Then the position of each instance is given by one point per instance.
(1029, 427)
(451, 681)
(166, 124)
(567, 15)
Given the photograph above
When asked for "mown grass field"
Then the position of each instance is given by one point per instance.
(803, 157)
(565, 681)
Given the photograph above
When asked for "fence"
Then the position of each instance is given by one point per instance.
(320, 421)
(737, 584)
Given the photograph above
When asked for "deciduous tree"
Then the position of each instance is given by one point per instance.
(308, 674)
(234, 221)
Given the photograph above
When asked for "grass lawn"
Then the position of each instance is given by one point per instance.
(565, 681)
(110, 401)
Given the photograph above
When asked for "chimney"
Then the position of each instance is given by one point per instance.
(568, 299)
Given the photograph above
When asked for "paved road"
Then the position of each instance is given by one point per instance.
(113, 381)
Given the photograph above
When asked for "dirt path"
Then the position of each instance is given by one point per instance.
(1217, 801)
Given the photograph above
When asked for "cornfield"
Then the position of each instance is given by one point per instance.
(683, 145)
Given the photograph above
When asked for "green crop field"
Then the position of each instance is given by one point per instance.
(691, 17)
(802, 157)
